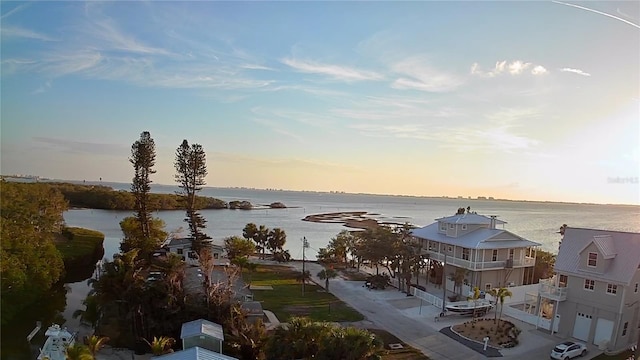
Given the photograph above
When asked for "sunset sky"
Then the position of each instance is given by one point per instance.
(522, 100)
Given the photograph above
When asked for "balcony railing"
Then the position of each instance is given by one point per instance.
(479, 265)
(548, 289)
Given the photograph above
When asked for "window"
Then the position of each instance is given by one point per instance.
(624, 328)
(589, 284)
(612, 289)
(450, 248)
(464, 227)
(180, 251)
(487, 286)
(636, 289)
(465, 254)
(511, 252)
(563, 280)
(443, 226)
(494, 257)
(593, 259)
(451, 226)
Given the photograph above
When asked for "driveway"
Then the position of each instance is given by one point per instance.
(416, 322)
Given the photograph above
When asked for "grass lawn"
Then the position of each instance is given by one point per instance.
(286, 300)
(406, 353)
(622, 356)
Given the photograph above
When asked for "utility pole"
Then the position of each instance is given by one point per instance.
(305, 245)
(444, 284)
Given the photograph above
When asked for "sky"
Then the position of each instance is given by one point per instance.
(531, 100)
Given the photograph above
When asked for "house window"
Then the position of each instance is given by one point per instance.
(465, 254)
(636, 289)
(464, 227)
(443, 227)
(593, 259)
(511, 252)
(451, 226)
(589, 284)
(180, 251)
(487, 286)
(494, 257)
(450, 248)
(612, 289)
(624, 328)
(563, 280)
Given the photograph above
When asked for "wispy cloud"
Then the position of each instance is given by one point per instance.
(14, 10)
(337, 72)
(256, 67)
(81, 147)
(277, 128)
(112, 37)
(294, 116)
(575, 71)
(420, 75)
(18, 32)
(599, 12)
(516, 67)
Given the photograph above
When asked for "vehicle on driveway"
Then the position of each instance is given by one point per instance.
(568, 350)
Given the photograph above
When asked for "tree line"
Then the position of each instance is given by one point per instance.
(106, 198)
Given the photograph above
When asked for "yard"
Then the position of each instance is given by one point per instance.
(286, 299)
(406, 353)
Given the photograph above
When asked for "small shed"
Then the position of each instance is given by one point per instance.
(195, 353)
(202, 333)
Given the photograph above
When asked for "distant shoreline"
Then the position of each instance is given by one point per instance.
(462, 199)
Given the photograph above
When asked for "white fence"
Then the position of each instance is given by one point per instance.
(431, 299)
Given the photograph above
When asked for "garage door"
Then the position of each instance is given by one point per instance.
(582, 326)
(604, 329)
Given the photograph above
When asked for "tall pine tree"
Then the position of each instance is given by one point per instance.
(143, 158)
(191, 170)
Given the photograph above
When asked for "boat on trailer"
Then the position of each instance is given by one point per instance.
(58, 339)
(469, 307)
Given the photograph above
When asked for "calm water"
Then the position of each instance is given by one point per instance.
(534, 221)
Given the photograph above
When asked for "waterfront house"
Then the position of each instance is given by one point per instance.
(202, 333)
(596, 287)
(493, 257)
(182, 247)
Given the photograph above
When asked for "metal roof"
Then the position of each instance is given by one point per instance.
(195, 353)
(201, 327)
(179, 242)
(482, 238)
(471, 219)
(621, 269)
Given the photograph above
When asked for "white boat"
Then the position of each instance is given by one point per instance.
(481, 307)
(58, 339)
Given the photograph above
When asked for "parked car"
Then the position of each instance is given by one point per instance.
(568, 350)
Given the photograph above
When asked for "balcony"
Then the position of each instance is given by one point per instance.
(480, 265)
(548, 289)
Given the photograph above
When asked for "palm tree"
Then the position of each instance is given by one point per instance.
(276, 239)
(502, 294)
(475, 296)
(494, 294)
(326, 275)
(458, 278)
(161, 345)
(95, 343)
(262, 238)
(78, 351)
(348, 344)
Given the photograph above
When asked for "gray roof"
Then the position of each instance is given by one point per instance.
(179, 242)
(471, 218)
(195, 353)
(252, 307)
(201, 327)
(624, 246)
(483, 238)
